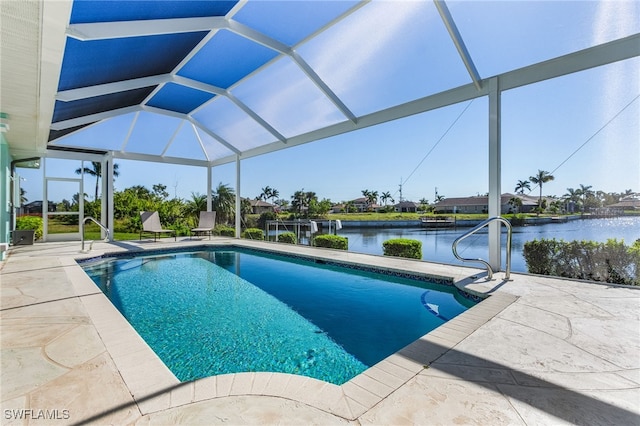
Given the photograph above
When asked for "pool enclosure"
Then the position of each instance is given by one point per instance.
(206, 83)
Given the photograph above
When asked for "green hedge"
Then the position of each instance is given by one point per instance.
(331, 241)
(253, 234)
(30, 223)
(611, 262)
(287, 238)
(224, 231)
(403, 247)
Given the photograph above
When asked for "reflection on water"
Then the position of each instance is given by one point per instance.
(436, 243)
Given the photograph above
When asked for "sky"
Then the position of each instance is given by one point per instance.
(583, 128)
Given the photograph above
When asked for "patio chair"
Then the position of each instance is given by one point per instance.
(151, 225)
(206, 223)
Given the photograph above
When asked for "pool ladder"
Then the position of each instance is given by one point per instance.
(84, 221)
(454, 247)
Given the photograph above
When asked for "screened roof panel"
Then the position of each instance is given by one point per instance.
(93, 136)
(185, 144)
(285, 97)
(371, 69)
(85, 11)
(291, 21)
(88, 63)
(233, 125)
(515, 34)
(55, 134)
(209, 80)
(225, 59)
(179, 98)
(150, 134)
(212, 147)
(87, 106)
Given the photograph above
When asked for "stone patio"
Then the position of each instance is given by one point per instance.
(538, 351)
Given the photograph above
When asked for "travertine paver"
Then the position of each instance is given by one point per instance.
(243, 410)
(538, 351)
(428, 400)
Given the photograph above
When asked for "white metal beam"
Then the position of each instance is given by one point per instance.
(214, 135)
(123, 29)
(209, 177)
(602, 54)
(238, 198)
(495, 171)
(458, 41)
(91, 118)
(155, 159)
(222, 92)
(418, 106)
(108, 88)
(283, 49)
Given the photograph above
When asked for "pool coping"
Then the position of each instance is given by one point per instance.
(154, 388)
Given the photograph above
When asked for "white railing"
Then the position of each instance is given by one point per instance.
(84, 221)
(472, 231)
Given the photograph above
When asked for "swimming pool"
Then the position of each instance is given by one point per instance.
(228, 310)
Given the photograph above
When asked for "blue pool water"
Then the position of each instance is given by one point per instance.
(222, 311)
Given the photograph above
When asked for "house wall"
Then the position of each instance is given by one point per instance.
(5, 208)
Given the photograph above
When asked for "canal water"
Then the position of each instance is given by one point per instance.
(436, 243)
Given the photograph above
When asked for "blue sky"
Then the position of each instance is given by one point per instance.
(583, 127)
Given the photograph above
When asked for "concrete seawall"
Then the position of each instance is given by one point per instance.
(416, 223)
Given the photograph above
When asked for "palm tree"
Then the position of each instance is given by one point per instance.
(96, 171)
(572, 196)
(439, 198)
(371, 196)
(197, 204)
(541, 177)
(274, 194)
(265, 194)
(521, 186)
(223, 200)
(585, 192)
(386, 196)
(301, 199)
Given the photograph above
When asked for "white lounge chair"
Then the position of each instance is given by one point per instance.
(206, 224)
(151, 225)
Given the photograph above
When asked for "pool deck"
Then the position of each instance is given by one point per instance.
(539, 350)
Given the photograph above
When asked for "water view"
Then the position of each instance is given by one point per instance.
(436, 243)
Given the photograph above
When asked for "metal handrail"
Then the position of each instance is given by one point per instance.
(84, 221)
(481, 225)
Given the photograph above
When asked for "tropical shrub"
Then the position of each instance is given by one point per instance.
(331, 241)
(403, 247)
(30, 223)
(224, 231)
(287, 237)
(264, 217)
(253, 234)
(611, 262)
